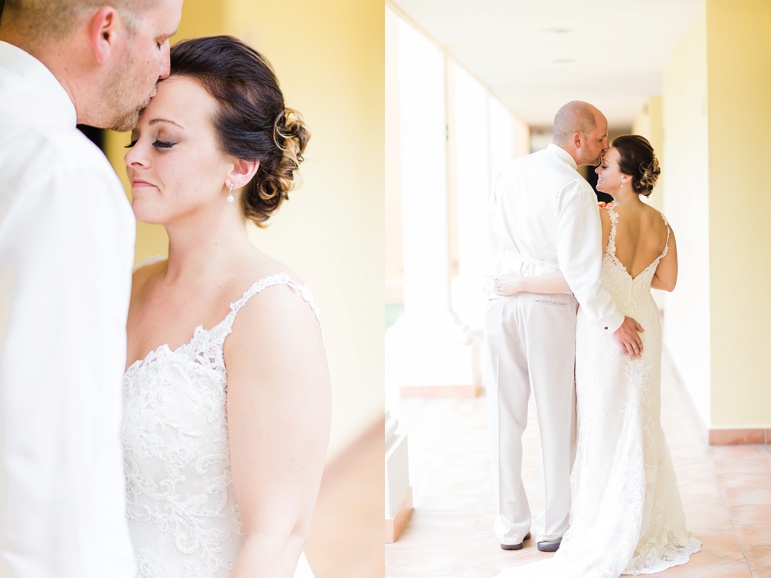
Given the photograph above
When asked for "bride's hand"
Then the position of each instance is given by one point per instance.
(509, 284)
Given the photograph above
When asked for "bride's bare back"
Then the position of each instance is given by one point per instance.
(641, 236)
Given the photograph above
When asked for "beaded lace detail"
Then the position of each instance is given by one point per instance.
(627, 515)
(182, 512)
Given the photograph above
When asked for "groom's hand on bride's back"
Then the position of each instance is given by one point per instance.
(628, 337)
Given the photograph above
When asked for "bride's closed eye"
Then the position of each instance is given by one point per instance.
(159, 144)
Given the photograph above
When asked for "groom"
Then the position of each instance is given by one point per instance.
(545, 218)
(66, 254)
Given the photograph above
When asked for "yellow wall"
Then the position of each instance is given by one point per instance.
(716, 122)
(329, 58)
(394, 264)
(685, 173)
(739, 88)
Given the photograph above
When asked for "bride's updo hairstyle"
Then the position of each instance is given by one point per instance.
(637, 159)
(251, 121)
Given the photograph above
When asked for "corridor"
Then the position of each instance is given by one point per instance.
(726, 493)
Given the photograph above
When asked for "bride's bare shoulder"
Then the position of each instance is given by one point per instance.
(653, 218)
(260, 266)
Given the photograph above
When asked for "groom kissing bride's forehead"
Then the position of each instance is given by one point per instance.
(553, 327)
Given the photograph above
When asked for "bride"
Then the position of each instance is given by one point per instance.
(627, 515)
(226, 403)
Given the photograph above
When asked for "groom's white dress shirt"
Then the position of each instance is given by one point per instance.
(66, 254)
(545, 218)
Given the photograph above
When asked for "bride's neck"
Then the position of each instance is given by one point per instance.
(625, 198)
(196, 255)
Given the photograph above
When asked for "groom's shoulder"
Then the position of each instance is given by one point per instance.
(554, 170)
(547, 160)
(523, 164)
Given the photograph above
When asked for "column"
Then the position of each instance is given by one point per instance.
(470, 182)
(428, 352)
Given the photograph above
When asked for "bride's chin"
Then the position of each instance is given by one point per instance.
(144, 216)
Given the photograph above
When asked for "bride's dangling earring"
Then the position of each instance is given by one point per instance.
(230, 192)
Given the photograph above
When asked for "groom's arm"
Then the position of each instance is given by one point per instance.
(579, 252)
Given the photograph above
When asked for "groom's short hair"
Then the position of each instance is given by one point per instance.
(56, 19)
(575, 116)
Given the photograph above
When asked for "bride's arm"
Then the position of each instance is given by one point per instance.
(547, 283)
(665, 277)
(278, 408)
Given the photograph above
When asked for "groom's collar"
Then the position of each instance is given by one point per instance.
(42, 85)
(562, 154)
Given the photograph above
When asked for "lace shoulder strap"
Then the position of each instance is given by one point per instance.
(611, 248)
(264, 283)
(150, 261)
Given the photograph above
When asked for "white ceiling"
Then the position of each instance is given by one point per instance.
(536, 55)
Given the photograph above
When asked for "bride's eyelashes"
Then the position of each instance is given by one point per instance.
(159, 144)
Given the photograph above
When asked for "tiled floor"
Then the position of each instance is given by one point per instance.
(726, 493)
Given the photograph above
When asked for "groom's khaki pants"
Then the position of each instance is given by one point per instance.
(530, 344)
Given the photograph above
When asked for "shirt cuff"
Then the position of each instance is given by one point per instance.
(612, 323)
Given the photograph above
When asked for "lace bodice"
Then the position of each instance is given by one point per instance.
(182, 512)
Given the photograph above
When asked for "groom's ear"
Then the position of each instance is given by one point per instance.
(104, 28)
(577, 140)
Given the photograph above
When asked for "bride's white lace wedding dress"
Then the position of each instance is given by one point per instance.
(627, 515)
(183, 517)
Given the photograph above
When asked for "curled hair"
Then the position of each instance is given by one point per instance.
(251, 121)
(637, 159)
